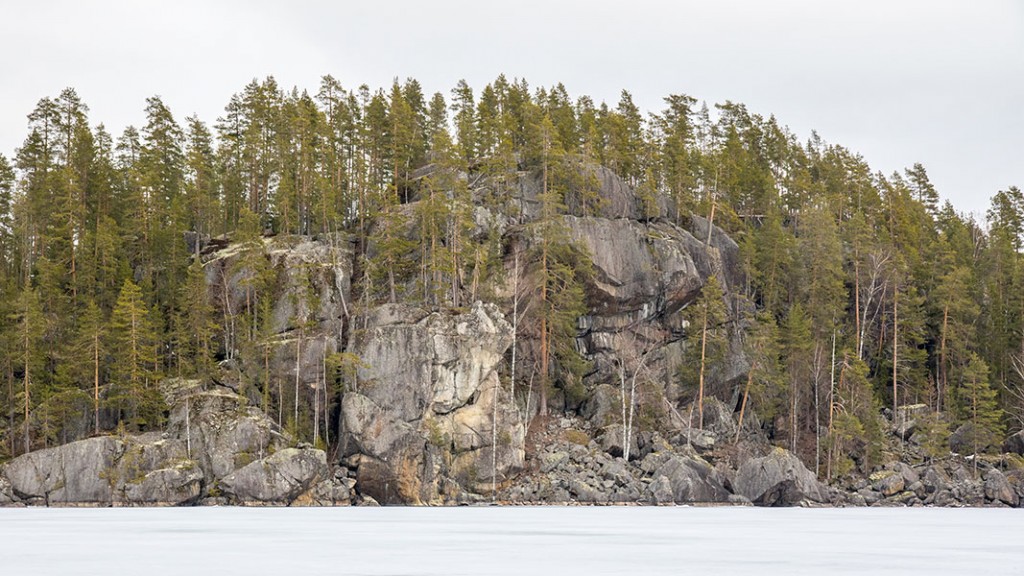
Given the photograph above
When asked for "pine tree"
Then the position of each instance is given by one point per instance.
(464, 107)
(29, 332)
(89, 358)
(201, 185)
(7, 239)
(708, 338)
(956, 330)
(196, 326)
(559, 270)
(134, 370)
(978, 407)
(432, 214)
(922, 188)
(678, 155)
(765, 388)
(854, 428)
(798, 349)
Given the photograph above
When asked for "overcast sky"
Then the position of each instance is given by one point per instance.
(937, 82)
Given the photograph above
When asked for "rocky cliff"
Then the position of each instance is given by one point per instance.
(417, 406)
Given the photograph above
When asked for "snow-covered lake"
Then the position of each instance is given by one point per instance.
(519, 541)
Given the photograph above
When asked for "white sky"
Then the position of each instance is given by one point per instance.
(938, 82)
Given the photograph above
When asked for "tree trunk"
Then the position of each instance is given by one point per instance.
(96, 382)
(856, 300)
(298, 355)
(25, 378)
(940, 380)
(703, 355)
(743, 404)
(515, 324)
(895, 348)
(544, 344)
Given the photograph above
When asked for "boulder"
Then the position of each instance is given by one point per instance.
(659, 491)
(942, 498)
(602, 406)
(702, 440)
(778, 479)
(612, 440)
(81, 472)
(998, 489)
(180, 485)
(909, 475)
(906, 421)
(963, 440)
(616, 471)
(6, 493)
(276, 479)
(1014, 444)
(692, 480)
(581, 491)
(156, 470)
(739, 500)
(887, 482)
(935, 479)
(718, 419)
(552, 460)
(211, 433)
(1016, 479)
(333, 492)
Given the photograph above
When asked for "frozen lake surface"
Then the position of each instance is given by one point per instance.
(519, 541)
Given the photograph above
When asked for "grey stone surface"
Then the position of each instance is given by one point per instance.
(888, 483)
(1014, 443)
(423, 409)
(278, 479)
(180, 485)
(612, 439)
(777, 479)
(693, 480)
(222, 431)
(997, 488)
(308, 272)
(76, 473)
(6, 493)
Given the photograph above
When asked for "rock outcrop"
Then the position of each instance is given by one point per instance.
(421, 416)
(214, 445)
(310, 303)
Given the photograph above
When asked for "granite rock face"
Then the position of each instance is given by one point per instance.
(75, 473)
(311, 303)
(421, 415)
(213, 444)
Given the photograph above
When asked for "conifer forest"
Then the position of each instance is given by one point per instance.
(853, 296)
